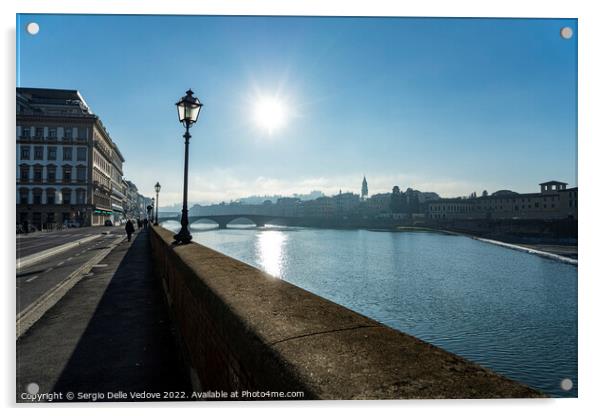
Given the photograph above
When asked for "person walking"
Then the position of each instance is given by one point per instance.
(129, 229)
(145, 223)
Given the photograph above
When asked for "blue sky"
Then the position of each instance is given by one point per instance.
(444, 105)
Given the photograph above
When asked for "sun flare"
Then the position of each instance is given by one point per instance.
(270, 114)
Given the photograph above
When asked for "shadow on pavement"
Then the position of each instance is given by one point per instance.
(128, 345)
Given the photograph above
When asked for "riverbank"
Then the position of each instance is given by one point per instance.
(559, 252)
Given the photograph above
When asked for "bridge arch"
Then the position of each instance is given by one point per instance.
(222, 220)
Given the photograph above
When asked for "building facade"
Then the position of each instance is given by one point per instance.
(63, 172)
(554, 201)
(117, 189)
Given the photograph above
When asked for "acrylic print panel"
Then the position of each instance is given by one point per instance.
(337, 208)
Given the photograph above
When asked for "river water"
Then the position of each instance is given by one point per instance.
(510, 311)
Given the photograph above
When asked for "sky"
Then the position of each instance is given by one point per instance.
(295, 104)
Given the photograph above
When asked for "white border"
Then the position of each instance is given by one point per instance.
(590, 135)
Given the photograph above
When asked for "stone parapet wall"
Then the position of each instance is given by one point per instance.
(243, 330)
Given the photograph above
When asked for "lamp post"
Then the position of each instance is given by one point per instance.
(189, 108)
(157, 190)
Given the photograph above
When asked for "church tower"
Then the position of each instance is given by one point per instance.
(364, 188)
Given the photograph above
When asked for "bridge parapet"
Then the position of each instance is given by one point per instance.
(245, 330)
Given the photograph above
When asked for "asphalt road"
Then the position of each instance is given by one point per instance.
(39, 241)
(34, 281)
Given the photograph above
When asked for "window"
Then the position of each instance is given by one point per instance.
(81, 173)
(52, 133)
(50, 197)
(24, 196)
(39, 132)
(38, 153)
(37, 197)
(80, 195)
(68, 134)
(51, 153)
(51, 173)
(24, 173)
(25, 152)
(65, 217)
(67, 153)
(26, 132)
(67, 173)
(81, 153)
(67, 196)
(37, 173)
(81, 133)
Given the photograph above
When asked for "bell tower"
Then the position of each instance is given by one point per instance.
(364, 188)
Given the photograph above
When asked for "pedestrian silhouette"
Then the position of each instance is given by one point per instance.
(145, 222)
(129, 229)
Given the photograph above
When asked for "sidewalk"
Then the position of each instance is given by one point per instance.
(110, 333)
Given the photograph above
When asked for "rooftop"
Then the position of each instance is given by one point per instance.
(52, 96)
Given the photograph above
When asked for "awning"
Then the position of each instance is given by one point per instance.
(102, 212)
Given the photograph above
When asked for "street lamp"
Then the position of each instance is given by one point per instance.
(157, 190)
(189, 108)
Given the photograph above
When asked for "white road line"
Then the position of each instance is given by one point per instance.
(77, 254)
(100, 265)
(31, 279)
(61, 263)
(70, 258)
(49, 269)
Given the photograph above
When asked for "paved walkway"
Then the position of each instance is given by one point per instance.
(110, 333)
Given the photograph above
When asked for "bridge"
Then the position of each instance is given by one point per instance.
(223, 220)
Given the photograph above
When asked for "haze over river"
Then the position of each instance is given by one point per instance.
(510, 311)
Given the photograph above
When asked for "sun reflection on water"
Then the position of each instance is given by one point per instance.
(269, 251)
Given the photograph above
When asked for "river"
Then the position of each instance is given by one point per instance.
(510, 311)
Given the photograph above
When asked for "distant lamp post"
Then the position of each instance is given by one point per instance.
(157, 190)
(189, 108)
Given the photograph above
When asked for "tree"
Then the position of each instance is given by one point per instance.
(412, 201)
(396, 203)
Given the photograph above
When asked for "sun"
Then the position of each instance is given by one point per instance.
(270, 114)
